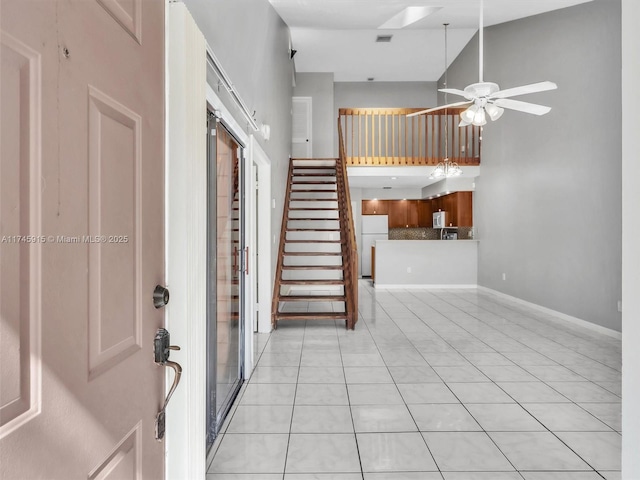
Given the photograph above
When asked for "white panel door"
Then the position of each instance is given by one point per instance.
(82, 208)
(301, 141)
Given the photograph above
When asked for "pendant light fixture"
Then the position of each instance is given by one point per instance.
(446, 169)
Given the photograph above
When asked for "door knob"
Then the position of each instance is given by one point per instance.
(160, 296)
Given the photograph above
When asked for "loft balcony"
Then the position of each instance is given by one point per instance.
(388, 137)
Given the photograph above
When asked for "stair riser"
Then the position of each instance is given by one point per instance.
(319, 224)
(312, 275)
(307, 247)
(314, 261)
(327, 196)
(313, 236)
(315, 204)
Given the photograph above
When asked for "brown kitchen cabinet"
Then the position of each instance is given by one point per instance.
(413, 215)
(418, 213)
(375, 207)
(458, 206)
(465, 209)
(425, 217)
(397, 213)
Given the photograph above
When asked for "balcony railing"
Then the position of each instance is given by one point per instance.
(386, 136)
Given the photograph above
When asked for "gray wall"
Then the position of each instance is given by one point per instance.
(319, 86)
(382, 95)
(548, 201)
(630, 245)
(252, 42)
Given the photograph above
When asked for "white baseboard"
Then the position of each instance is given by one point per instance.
(558, 315)
(422, 287)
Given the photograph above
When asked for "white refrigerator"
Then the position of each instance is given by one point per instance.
(374, 227)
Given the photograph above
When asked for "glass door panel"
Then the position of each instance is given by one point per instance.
(224, 270)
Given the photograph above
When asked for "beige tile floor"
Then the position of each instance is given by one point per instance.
(439, 384)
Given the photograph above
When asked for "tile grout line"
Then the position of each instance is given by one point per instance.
(293, 405)
(353, 424)
(516, 401)
(400, 393)
(491, 380)
(521, 367)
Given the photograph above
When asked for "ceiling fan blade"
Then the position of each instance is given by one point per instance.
(522, 106)
(454, 91)
(533, 88)
(435, 109)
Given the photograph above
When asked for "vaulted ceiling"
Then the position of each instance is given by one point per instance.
(339, 35)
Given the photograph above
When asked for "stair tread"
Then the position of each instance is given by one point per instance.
(312, 298)
(313, 182)
(312, 208)
(317, 174)
(312, 315)
(312, 241)
(314, 159)
(326, 167)
(312, 267)
(313, 199)
(313, 254)
(306, 219)
(311, 282)
(313, 229)
(306, 190)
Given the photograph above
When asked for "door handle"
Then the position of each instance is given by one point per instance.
(236, 266)
(246, 260)
(161, 349)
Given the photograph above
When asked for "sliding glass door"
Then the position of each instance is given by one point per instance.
(226, 263)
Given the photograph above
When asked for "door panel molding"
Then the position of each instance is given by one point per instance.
(21, 211)
(115, 309)
(124, 461)
(130, 21)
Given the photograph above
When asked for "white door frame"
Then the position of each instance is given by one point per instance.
(185, 242)
(261, 160)
(309, 139)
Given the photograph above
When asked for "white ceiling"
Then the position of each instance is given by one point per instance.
(397, 177)
(339, 35)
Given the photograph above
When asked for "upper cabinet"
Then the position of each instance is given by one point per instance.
(413, 213)
(458, 206)
(375, 207)
(418, 213)
(397, 213)
(465, 209)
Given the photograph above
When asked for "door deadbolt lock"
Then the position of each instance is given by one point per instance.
(160, 296)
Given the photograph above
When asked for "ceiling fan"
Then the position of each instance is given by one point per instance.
(486, 99)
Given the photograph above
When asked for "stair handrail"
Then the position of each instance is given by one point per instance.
(347, 226)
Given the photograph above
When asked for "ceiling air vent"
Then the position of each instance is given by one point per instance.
(383, 38)
(386, 188)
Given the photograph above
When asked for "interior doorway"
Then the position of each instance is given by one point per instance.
(301, 138)
(264, 238)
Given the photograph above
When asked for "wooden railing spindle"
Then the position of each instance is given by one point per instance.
(371, 141)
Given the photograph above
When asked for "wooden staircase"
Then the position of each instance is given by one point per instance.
(314, 275)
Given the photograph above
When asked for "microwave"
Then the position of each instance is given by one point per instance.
(439, 219)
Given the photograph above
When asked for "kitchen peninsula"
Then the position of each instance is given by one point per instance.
(414, 253)
(426, 263)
